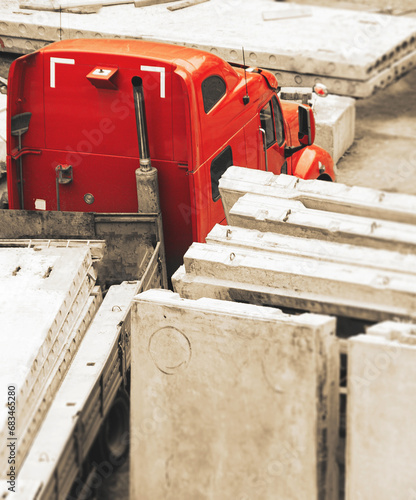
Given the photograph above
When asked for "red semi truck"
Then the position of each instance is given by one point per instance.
(81, 113)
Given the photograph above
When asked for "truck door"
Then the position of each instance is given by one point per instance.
(273, 135)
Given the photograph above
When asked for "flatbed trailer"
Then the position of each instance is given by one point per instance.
(88, 420)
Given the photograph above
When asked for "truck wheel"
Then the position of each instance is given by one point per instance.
(324, 177)
(112, 443)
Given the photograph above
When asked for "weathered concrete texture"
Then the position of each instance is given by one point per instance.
(78, 405)
(345, 46)
(334, 118)
(335, 124)
(319, 195)
(267, 213)
(347, 87)
(44, 293)
(294, 281)
(381, 442)
(387, 6)
(319, 250)
(231, 401)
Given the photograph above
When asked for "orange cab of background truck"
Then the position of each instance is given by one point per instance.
(74, 115)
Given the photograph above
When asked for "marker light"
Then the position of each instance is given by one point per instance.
(320, 89)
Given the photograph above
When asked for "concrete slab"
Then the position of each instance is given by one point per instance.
(97, 356)
(320, 249)
(353, 47)
(380, 414)
(44, 292)
(231, 401)
(271, 214)
(319, 195)
(297, 282)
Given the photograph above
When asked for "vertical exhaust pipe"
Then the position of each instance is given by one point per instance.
(141, 126)
(146, 175)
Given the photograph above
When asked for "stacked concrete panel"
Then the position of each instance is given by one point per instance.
(48, 302)
(345, 49)
(79, 405)
(381, 442)
(231, 401)
(318, 195)
(316, 283)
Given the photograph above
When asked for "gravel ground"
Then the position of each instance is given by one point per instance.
(383, 155)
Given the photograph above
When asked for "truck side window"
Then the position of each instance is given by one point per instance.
(266, 120)
(213, 89)
(218, 166)
(278, 120)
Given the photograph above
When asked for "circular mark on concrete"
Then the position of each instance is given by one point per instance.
(79, 34)
(213, 50)
(233, 54)
(3, 26)
(331, 67)
(272, 59)
(8, 43)
(22, 28)
(298, 79)
(28, 45)
(41, 30)
(253, 56)
(170, 350)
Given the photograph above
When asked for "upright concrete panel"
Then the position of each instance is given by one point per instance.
(335, 124)
(381, 442)
(231, 401)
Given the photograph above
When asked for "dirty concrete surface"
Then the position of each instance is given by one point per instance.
(383, 156)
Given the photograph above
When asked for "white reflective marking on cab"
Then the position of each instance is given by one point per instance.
(58, 60)
(40, 204)
(160, 70)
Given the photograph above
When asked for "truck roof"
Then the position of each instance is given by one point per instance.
(187, 58)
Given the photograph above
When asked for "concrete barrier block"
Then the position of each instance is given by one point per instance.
(334, 118)
(231, 401)
(319, 195)
(381, 461)
(291, 217)
(319, 249)
(335, 124)
(301, 283)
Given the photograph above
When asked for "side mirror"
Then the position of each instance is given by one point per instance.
(306, 119)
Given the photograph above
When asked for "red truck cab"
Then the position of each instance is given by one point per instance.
(202, 115)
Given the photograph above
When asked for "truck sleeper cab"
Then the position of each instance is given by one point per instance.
(79, 150)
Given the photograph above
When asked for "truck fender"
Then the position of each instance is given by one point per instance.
(313, 162)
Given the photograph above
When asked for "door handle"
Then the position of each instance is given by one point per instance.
(263, 133)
